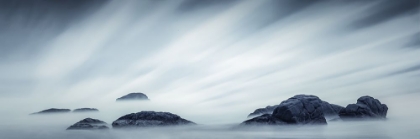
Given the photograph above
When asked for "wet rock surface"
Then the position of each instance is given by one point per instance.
(150, 119)
(53, 111)
(88, 124)
(366, 107)
(86, 110)
(133, 96)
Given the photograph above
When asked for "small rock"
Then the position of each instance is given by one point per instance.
(88, 124)
(53, 110)
(133, 96)
(150, 119)
(86, 110)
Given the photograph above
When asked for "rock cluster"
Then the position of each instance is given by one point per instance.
(309, 109)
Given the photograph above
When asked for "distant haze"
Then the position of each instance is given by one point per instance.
(211, 62)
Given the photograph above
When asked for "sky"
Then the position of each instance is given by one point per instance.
(206, 57)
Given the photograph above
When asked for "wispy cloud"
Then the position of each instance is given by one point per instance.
(232, 57)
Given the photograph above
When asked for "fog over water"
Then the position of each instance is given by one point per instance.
(211, 62)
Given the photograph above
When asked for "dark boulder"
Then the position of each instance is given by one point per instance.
(330, 110)
(86, 110)
(53, 110)
(300, 110)
(88, 124)
(133, 96)
(366, 107)
(150, 119)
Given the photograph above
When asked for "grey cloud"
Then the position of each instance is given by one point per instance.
(386, 10)
(194, 5)
(414, 41)
(25, 26)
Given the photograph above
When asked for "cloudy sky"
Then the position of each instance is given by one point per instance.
(206, 56)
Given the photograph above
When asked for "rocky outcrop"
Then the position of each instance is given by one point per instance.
(149, 119)
(88, 124)
(86, 110)
(300, 110)
(330, 110)
(52, 111)
(366, 107)
(133, 96)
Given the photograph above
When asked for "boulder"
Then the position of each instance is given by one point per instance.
(133, 96)
(366, 107)
(88, 124)
(330, 110)
(53, 110)
(86, 110)
(298, 110)
(150, 119)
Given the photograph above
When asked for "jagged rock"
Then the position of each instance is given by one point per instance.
(366, 107)
(300, 109)
(133, 96)
(330, 110)
(149, 119)
(86, 110)
(88, 124)
(53, 110)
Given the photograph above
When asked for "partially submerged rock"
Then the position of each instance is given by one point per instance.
(265, 119)
(86, 110)
(297, 110)
(366, 107)
(53, 110)
(88, 124)
(133, 96)
(150, 119)
(330, 110)
(262, 111)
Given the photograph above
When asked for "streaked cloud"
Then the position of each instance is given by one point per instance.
(230, 56)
